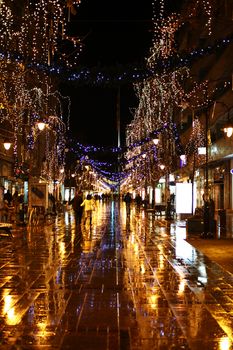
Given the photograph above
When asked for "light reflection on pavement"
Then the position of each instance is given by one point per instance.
(123, 283)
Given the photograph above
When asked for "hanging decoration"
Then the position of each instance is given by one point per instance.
(39, 35)
(196, 140)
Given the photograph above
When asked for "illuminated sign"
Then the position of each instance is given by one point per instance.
(184, 198)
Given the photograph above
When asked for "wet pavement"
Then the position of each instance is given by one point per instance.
(125, 283)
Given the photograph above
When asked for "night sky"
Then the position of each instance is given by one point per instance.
(114, 34)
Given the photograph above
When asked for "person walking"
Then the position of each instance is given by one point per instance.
(16, 203)
(76, 205)
(138, 201)
(8, 197)
(128, 200)
(89, 207)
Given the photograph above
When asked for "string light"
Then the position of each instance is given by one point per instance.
(40, 31)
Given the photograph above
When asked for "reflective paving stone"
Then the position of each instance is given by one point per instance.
(124, 283)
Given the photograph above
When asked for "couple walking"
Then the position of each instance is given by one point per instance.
(79, 206)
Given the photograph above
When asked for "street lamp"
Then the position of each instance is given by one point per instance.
(228, 129)
(207, 217)
(7, 144)
(41, 125)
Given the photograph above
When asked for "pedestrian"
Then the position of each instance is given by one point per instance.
(8, 197)
(89, 207)
(208, 217)
(16, 202)
(21, 209)
(169, 210)
(76, 205)
(138, 201)
(52, 204)
(1, 203)
(211, 208)
(212, 216)
(128, 200)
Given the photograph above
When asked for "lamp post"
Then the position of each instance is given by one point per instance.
(206, 155)
(206, 232)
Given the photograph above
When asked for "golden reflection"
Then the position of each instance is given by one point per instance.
(153, 301)
(224, 343)
(181, 287)
(42, 328)
(161, 262)
(227, 329)
(142, 268)
(12, 319)
(73, 235)
(87, 244)
(97, 215)
(8, 302)
(132, 238)
(67, 217)
(87, 247)
(135, 248)
(62, 250)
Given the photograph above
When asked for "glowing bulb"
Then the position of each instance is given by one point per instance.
(183, 157)
(201, 150)
(41, 126)
(229, 131)
(156, 141)
(7, 145)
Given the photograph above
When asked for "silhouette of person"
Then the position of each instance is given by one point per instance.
(76, 205)
(89, 207)
(128, 200)
(138, 200)
(8, 197)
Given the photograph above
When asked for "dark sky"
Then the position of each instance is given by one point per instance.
(115, 33)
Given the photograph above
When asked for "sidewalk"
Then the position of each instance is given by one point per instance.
(219, 249)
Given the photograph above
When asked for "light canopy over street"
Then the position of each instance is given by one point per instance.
(116, 174)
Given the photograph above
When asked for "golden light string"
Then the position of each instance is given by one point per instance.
(158, 15)
(38, 31)
(15, 97)
(52, 154)
(33, 101)
(155, 96)
(208, 10)
(6, 28)
(165, 28)
(158, 96)
(190, 11)
(168, 29)
(196, 139)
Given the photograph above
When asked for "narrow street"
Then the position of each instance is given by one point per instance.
(125, 283)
